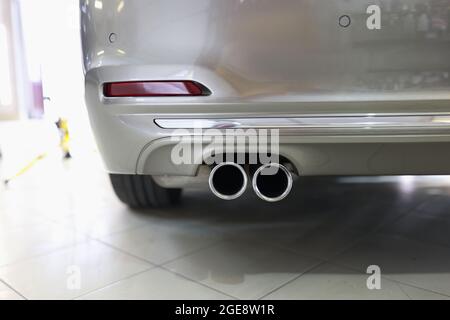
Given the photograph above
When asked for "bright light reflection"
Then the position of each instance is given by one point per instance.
(98, 4)
(120, 6)
(5, 73)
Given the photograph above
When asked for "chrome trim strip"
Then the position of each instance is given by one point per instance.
(317, 122)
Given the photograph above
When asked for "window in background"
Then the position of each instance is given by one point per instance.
(5, 74)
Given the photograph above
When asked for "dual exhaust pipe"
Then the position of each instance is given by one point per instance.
(271, 182)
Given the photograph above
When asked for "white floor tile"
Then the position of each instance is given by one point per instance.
(15, 213)
(242, 270)
(7, 293)
(101, 222)
(55, 276)
(28, 241)
(321, 242)
(329, 282)
(428, 229)
(158, 243)
(156, 284)
(437, 206)
(408, 261)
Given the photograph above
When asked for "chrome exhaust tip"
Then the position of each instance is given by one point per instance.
(228, 181)
(272, 182)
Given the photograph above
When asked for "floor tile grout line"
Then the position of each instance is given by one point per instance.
(328, 260)
(359, 271)
(112, 247)
(422, 241)
(87, 234)
(114, 233)
(115, 282)
(44, 254)
(12, 288)
(425, 241)
(337, 263)
(374, 232)
(404, 291)
(294, 279)
(276, 246)
(87, 238)
(152, 265)
(320, 262)
(353, 244)
(198, 282)
(64, 247)
(331, 257)
(211, 245)
(419, 214)
(416, 287)
(162, 265)
(45, 220)
(310, 256)
(425, 201)
(85, 241)
(217, 243)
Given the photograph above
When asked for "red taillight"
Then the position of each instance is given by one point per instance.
(155, 89)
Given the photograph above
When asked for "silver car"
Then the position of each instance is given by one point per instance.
(343, 87)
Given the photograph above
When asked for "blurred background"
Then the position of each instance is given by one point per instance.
(41, 80)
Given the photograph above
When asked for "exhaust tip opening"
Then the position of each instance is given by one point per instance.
(272, 187)
(228, 181)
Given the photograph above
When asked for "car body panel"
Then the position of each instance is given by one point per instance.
(261, 58)
(284, 49)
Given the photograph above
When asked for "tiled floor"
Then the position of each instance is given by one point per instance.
(64, 235)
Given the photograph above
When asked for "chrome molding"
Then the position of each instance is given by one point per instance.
(316, 122)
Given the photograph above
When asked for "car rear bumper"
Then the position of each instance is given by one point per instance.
(401, 135)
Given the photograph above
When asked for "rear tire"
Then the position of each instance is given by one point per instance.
(138, 191)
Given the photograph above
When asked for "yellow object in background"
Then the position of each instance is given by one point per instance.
(64, 144)
(26, 168)
(63, 127)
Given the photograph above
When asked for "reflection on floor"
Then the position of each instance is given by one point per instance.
(64, 235)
